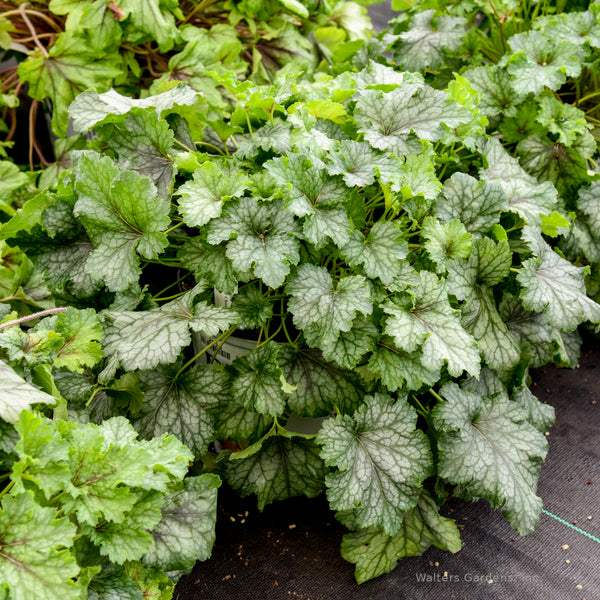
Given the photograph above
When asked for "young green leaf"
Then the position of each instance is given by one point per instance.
(35, 561)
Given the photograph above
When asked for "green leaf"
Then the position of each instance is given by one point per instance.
(123, 218)
(96, 19)
(375, 553)
(428, 321)
(381, 462)
(279, 466)
(388, 119)
(145, 339)
(487, 445)
(588, 202)
(254, 309)
(320, 386)
(186, 532)
(202, 199)
(144, 144)
(11, 179)
(529, 327)
(235, 422)
(306, 185)
(497, 95)
(35, 561)
(579, 27)
(296, 7)
(257, 381)
(350, 346)
(69, 69)
(181, 405)
(359, 164)
(565, 166)
(209, 262)
(80, 331)
(400, 370)
(43, 455)
(526, 197)
(477, 204)
(130, 540)
(32, 348)
(316, 302)
(554, 286)
(17, 395)
(380, 252)
(262, 238)
(522, 124)
(564, 120)
(91, 108)
(540, 415)
(111, 582)
(540, 61)
(445, 242)
(311, 192)
(488, 265)
(429, 37)
(151, 19)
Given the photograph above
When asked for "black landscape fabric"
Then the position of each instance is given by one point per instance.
(291, 549)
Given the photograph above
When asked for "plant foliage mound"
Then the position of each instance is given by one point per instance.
(65, 47)
(537, 69)
(337, 287)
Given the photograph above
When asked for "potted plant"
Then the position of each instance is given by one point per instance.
(363, 230)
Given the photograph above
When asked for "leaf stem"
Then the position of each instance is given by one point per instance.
(168, 231)
(7, 489)
(436, 395)
(192, 360)
(157, 295)
(43, 313)
(32, 30)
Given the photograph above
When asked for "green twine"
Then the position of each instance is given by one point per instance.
(592, 537)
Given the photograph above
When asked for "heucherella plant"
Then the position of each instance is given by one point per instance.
(64, 47)
(536, 67)
(88, 509)
(383, 261)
